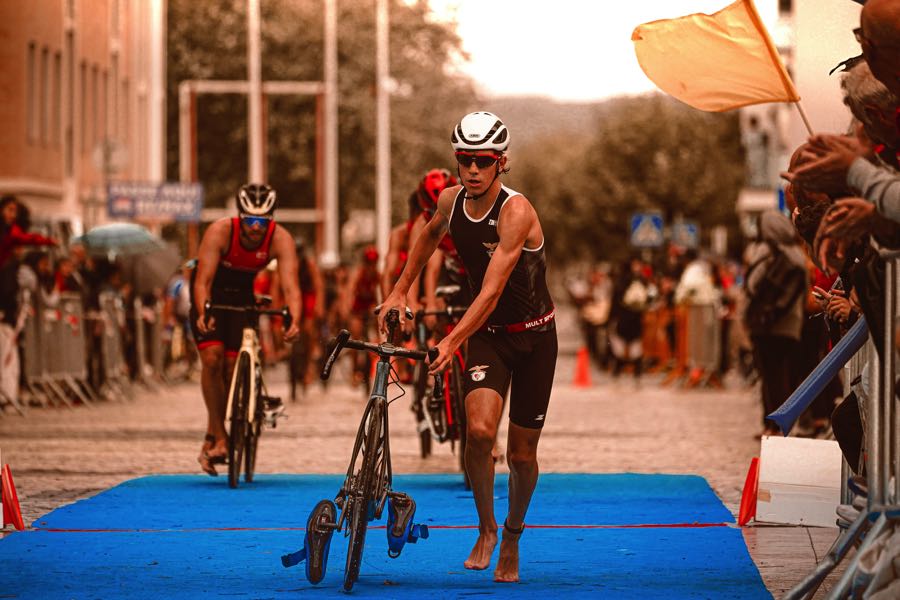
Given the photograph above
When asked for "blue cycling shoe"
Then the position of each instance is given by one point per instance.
(400, 527)
(316, 542)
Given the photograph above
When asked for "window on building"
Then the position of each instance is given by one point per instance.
(104, 104)
(126, 105)
(69, 138)
(56, 102)
(114, 101)
(84, 131)
(31, 95)
(785, 7)
(95, 106)
(114, 18)
(44, 97)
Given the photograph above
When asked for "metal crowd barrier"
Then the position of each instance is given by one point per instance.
(872, 563)
(112, 349)
(698, 345)
(704, 339)
(54, 349)
(60, 341)
(149, 348)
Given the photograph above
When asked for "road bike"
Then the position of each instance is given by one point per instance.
(249, 404)
(366, 490)
(441, 411)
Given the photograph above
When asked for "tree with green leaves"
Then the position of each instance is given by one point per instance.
(644, 153)
(208, 40)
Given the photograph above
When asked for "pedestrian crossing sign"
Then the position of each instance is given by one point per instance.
(686, 234)
(647, 230)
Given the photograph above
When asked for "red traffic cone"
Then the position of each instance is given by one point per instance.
(748, 497)
(12, 513)
(582, 368)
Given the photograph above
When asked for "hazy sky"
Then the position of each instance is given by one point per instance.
(566, 49)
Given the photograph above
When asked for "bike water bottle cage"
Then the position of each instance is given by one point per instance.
(316, 542)
(400, 526)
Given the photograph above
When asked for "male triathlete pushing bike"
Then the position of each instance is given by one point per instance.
(510, 326)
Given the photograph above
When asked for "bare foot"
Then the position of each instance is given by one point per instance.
(218, 452)
(507, 570)
(480, 558)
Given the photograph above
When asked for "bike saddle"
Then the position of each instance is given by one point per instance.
(400, 526)
(316, 542)
(445, 291)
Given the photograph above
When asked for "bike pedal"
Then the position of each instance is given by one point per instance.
(271, 416)
(272, 402)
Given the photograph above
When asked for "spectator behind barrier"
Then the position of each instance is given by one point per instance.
(14, 224)
(776, 335)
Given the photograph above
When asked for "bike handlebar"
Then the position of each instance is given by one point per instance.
(342, 340)
(284, 313)
(449, 312)
(385, 350)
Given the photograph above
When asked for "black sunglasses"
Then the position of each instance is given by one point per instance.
(482, 161)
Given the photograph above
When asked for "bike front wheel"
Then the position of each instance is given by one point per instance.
(363, 495)
(253, 432)
(237, 433)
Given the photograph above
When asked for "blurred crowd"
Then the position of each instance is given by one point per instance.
(804, 280)
(634, 317)
(38, 270)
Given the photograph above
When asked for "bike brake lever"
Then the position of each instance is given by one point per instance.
(336, 347)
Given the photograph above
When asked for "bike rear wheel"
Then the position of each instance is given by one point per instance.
(237, 433)
(363, 495)
(420, 391)
(458, 405)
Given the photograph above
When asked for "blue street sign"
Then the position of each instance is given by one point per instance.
(647, 230)
(166, 201)
(686, 233)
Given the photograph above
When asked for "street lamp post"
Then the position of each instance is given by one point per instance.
(383, 130)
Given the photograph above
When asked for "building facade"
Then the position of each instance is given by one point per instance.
(82, 102)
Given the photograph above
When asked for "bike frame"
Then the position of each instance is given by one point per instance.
(250, 347)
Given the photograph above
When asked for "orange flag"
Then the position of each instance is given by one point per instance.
(714, 62)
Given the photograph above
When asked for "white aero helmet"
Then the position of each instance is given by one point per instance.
(256, 199)
(480, 131)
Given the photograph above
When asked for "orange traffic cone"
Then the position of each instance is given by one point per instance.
(748, 497)
(582, 368)
(12, 513)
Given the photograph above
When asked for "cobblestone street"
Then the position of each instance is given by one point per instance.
(60, 455)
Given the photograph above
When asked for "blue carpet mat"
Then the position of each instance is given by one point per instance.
(610, 536)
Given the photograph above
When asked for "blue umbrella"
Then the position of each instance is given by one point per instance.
(119, 239)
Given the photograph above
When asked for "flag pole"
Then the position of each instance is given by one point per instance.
(803, 116)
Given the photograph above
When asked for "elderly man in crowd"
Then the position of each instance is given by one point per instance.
(863, 176)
